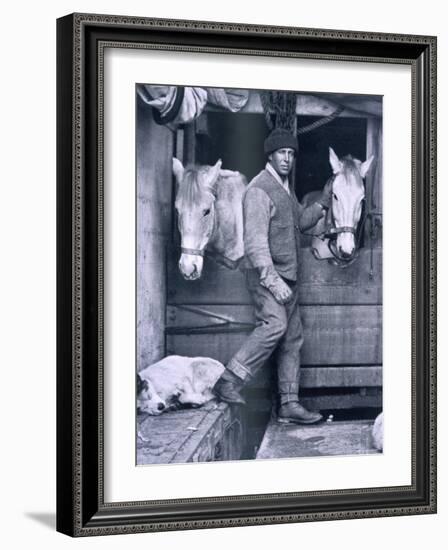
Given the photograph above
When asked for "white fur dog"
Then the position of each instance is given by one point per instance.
(177, 380)
(377, 432)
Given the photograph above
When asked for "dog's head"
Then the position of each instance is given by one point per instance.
(148, 401)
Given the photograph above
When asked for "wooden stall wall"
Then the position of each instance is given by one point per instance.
(153, 230)
(341, 313)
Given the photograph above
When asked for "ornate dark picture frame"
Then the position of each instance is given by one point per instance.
(81, 509)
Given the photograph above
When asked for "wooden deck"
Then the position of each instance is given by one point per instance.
(326, 439)
(212, 432)
(217, 432)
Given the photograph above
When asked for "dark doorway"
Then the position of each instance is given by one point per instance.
(235, 138)
(238, 139)
(347, 136)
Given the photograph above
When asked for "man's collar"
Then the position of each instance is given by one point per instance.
(284, 183)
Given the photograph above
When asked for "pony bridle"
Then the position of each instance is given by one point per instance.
(201, 251)
(331, 232)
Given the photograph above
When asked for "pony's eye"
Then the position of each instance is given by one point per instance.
(335, 197)
(206, 212)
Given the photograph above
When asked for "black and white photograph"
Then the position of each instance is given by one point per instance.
(222, 241)
(258, 274)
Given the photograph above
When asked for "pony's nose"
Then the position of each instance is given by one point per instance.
(160, 406)
(344, 253)
(188, 268)
(194, 274)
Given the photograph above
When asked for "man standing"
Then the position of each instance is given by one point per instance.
(273, 218)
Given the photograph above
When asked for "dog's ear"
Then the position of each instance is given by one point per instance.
(141, 384)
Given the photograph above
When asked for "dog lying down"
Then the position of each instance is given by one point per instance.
(177, 381)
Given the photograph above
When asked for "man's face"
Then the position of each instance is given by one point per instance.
(282, 160)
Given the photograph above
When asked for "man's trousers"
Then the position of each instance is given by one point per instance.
(278, 327)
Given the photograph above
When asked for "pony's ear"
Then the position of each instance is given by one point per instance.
(217, 167)
(365, 166)
(336, 164)
(178, 170)
(213, 173)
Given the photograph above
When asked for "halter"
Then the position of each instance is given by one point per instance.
(355, 231)
(200, 251)
(331, 231)
(193, 251)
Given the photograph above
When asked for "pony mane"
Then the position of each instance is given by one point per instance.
(350, 167)
(192, 190)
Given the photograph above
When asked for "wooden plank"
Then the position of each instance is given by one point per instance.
(321, 272)
(368, 294)
(313, 317)
(220, 346)
(153, 220)
(224, 441)
(326, 399)
(328, 439)
(342, 335)
(341, 376)
(346, 400)
(313, 105)
(374, 183)
(333, 351)
(338, 377)
(334, 335)
(218, 285)
(190, 435)
(320, 282)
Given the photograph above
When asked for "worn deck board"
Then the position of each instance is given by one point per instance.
(335, 438)
(190, 435)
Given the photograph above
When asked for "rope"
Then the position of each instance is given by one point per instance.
(321, 121)
(280, 112)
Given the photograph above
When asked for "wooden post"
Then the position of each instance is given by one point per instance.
(154, 189)
(374, 182)
(190, 143)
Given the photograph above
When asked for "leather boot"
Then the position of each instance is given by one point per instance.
(293, 413)
(229, 392)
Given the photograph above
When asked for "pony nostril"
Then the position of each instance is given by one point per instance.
(160, 406)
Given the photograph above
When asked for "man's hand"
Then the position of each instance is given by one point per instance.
(325, 198)
(271, 280)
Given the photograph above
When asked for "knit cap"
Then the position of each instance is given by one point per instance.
(279, 139)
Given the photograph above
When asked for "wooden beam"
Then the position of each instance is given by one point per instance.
(318, 105)
(343, 401)
(341, 377)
